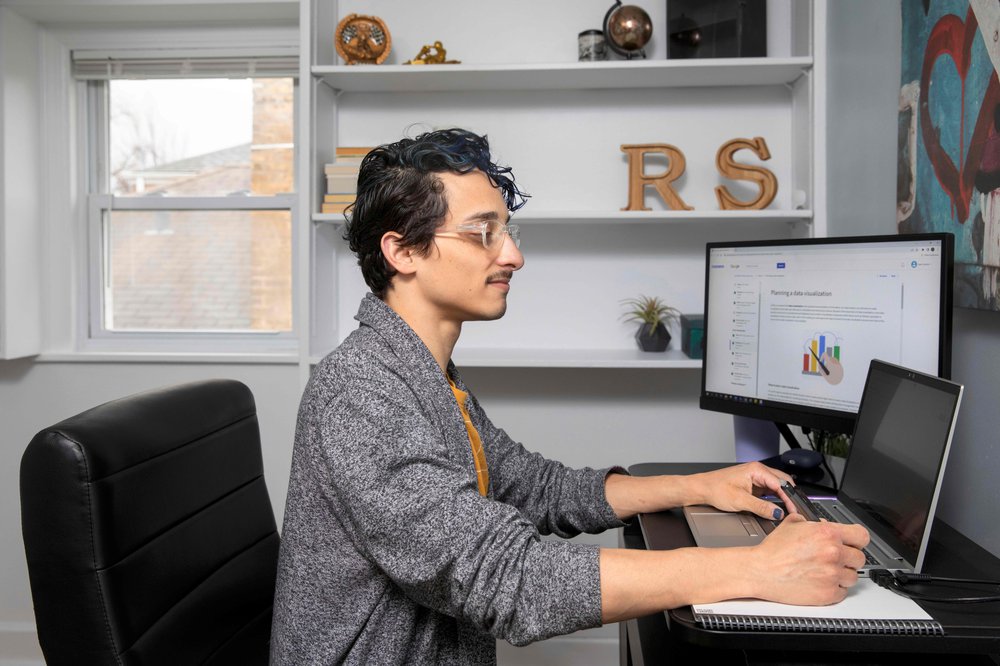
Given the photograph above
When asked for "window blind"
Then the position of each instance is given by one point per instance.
(103, 66)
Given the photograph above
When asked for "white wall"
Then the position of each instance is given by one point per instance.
(864, 81)
(20, 203)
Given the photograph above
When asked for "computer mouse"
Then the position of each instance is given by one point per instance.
(800, 459)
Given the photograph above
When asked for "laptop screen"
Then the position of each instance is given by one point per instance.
(899, 451)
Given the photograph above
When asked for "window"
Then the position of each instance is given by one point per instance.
(191, 203)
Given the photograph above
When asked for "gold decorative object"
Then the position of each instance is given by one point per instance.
(432, 54)
(637, 178)
(765, 179)
(362, 39)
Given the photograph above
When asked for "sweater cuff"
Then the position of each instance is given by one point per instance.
(607, 514)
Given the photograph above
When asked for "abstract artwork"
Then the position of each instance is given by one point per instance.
(948, 174)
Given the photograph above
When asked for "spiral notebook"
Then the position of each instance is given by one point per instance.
(867, 609)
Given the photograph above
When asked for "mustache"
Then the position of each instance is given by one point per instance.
(500, 275)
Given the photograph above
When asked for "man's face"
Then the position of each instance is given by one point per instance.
(460, 279)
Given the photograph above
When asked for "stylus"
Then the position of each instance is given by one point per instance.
(801, 503)
(825, 370)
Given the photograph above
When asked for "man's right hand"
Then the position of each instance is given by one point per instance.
(808, 563)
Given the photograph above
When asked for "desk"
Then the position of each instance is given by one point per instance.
(972, 631)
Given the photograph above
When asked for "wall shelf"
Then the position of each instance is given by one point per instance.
(565, 76)
(636, 217)
(560, 122)
(569, 358)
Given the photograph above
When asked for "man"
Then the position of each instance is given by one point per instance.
(412, 525)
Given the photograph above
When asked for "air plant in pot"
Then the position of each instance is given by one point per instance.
(653, 316)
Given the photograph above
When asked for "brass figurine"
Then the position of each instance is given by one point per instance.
(432, 54)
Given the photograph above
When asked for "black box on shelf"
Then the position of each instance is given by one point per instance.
(716, 28)
(693, 335)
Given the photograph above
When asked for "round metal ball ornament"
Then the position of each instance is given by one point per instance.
(627, 30)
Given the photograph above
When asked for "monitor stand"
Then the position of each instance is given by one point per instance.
(757, 439)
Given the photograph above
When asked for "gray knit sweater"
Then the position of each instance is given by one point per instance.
(389, 555)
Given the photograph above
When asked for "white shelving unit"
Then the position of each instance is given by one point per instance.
(619, 218)
(610, 75)
(560, 124)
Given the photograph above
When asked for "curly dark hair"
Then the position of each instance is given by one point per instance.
(398, 190)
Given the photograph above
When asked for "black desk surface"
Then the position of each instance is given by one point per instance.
(969, 628)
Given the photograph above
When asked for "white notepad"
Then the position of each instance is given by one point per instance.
(867, 608)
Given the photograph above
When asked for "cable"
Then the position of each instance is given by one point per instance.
(826, 465)
(905, 577)
(896, 581)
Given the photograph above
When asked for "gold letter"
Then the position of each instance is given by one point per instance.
(637, 179)
(766, 180)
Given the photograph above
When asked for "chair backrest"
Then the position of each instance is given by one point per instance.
(149, 533)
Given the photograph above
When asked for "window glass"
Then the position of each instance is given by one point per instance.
(225, 270)
(200, 137)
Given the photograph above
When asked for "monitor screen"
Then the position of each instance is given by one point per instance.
(792, 325)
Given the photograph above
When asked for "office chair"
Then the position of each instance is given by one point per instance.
(149, 533)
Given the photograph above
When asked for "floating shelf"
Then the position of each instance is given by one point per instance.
(637, 217)
(569, 358)
(565, 76)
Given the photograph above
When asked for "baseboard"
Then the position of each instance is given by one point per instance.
(560, 651)
(19, 644)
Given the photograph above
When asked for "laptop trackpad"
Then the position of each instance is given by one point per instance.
(721, 524)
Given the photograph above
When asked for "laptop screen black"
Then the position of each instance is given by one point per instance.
(897, 454)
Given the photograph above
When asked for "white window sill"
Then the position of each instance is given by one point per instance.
(284, 358)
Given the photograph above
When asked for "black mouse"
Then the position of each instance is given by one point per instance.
(801, 459)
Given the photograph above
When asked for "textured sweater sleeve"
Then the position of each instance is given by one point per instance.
(417, 515)
(555, 498)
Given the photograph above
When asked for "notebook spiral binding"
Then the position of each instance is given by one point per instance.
(868, 626)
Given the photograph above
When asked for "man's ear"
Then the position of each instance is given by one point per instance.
(398, 256)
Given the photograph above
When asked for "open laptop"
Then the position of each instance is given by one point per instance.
(892, 476)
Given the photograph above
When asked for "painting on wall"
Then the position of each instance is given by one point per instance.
(948, 176)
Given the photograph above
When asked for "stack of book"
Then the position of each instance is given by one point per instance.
(342, 179)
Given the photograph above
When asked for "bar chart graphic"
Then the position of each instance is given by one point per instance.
(816, 347)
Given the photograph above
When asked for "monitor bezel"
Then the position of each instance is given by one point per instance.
(816, 417)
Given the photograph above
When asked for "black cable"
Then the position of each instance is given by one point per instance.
(896, 581)
(905, 577)
(826, 465)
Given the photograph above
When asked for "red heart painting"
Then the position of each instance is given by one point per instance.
(953, 37)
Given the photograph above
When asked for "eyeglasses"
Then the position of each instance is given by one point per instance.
(491, 231)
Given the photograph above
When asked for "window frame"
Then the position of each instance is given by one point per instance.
(92, 334)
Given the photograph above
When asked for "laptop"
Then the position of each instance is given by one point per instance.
(892, 476)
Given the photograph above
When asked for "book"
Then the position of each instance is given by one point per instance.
(867, 609)
(342, 184)
(352, 151)
(341, 169)
(334, 207)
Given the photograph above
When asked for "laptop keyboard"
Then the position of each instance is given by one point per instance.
(822, 511)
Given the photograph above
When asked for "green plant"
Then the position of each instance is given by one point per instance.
(831, 443)
(649, 310)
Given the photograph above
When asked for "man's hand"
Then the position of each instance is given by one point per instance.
(800, 562)
(733, 488)
(807, 563)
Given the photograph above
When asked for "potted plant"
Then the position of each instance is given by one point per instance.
(834, 446)
(653, 315)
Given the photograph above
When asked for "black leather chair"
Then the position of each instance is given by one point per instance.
(149, 532)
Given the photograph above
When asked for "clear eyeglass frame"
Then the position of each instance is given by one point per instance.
(492, 231)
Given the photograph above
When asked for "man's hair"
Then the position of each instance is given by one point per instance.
(399, 190)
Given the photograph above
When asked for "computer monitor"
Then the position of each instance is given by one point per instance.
(792, 325)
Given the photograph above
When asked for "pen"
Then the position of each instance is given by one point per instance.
(825, 370)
